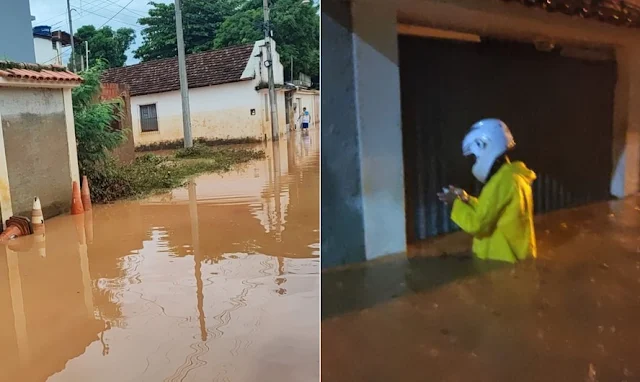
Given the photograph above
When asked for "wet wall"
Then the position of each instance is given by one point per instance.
(559, 109)
(35, 138)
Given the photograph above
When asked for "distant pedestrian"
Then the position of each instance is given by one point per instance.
(305, 117)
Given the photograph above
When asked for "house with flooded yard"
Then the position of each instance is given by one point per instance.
(228, 96)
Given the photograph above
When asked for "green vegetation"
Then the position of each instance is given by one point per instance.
(93, 119)
(179, 143)
(210, 24)
(151, 173)
(296, 31)
(111, 180)
(106, 44)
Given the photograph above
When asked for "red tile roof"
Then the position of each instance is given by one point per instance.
(31, 72)
(203, 69)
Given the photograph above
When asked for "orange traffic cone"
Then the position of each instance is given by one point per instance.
(86, 194)
(76, 200)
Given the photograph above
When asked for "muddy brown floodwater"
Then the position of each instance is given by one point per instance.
(214, 282)
(571, 315)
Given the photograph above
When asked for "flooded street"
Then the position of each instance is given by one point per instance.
(571, 315)
(217, 281)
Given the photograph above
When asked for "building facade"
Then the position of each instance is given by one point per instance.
(228, 96)
(15, 27)
(409, 77)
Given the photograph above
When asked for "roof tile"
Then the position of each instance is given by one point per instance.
(34, 73)
(203, 69)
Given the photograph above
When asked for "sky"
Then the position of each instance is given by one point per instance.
(93, 12)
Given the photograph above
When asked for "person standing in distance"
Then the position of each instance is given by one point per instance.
(501, 218)
(306, 118)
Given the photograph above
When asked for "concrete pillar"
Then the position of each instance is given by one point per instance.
(363, 214)
(71, 137)
(626, 124)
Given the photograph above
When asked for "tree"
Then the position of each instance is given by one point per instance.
(200, 18)
(296, 31)
(93, 120)
(105, 44)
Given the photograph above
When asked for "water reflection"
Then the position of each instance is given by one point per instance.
(111, 298)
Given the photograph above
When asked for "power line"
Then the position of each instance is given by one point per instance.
(112, 18)
(128, 10)
(117, 13)
(65, 12)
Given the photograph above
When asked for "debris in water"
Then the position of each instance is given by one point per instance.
(627, 373)
(612, 329)
(604, 266)
(564, 225)
(435, 306)
(434, 352)
(445, 331)
(600, 329)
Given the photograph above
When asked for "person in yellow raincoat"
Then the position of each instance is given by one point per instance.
(501, 218)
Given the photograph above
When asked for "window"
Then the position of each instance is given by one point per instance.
(148, 118)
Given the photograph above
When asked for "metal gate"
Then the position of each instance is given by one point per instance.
(560, 111)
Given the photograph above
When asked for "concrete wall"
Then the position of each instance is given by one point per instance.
(15, 27)
(34, 126)
(45, 53)
(217, 112)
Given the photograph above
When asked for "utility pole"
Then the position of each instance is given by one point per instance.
(184, 85)
(86, 53)
(292, 69)
(73, 46)
(269, 63)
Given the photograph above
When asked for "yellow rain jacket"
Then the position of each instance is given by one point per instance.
(501, 219)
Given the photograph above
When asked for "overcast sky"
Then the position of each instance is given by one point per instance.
(93, 12)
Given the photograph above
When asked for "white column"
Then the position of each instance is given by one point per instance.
(626, 124)
(363, 214)
(71, 136)
(379, 120)
(6, 205)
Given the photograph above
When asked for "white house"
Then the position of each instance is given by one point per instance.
(48, 45)
(227, 92)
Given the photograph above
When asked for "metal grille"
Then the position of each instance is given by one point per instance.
(148, 118)
(560, 111)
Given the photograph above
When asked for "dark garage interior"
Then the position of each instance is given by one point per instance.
(560, 110)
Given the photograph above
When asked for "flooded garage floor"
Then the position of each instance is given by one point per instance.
(571, 315)
(217, 281)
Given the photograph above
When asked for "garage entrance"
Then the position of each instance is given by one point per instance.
(559, 109)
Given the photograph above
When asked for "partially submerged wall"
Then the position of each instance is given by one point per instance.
(230, 111)
(36, 145)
